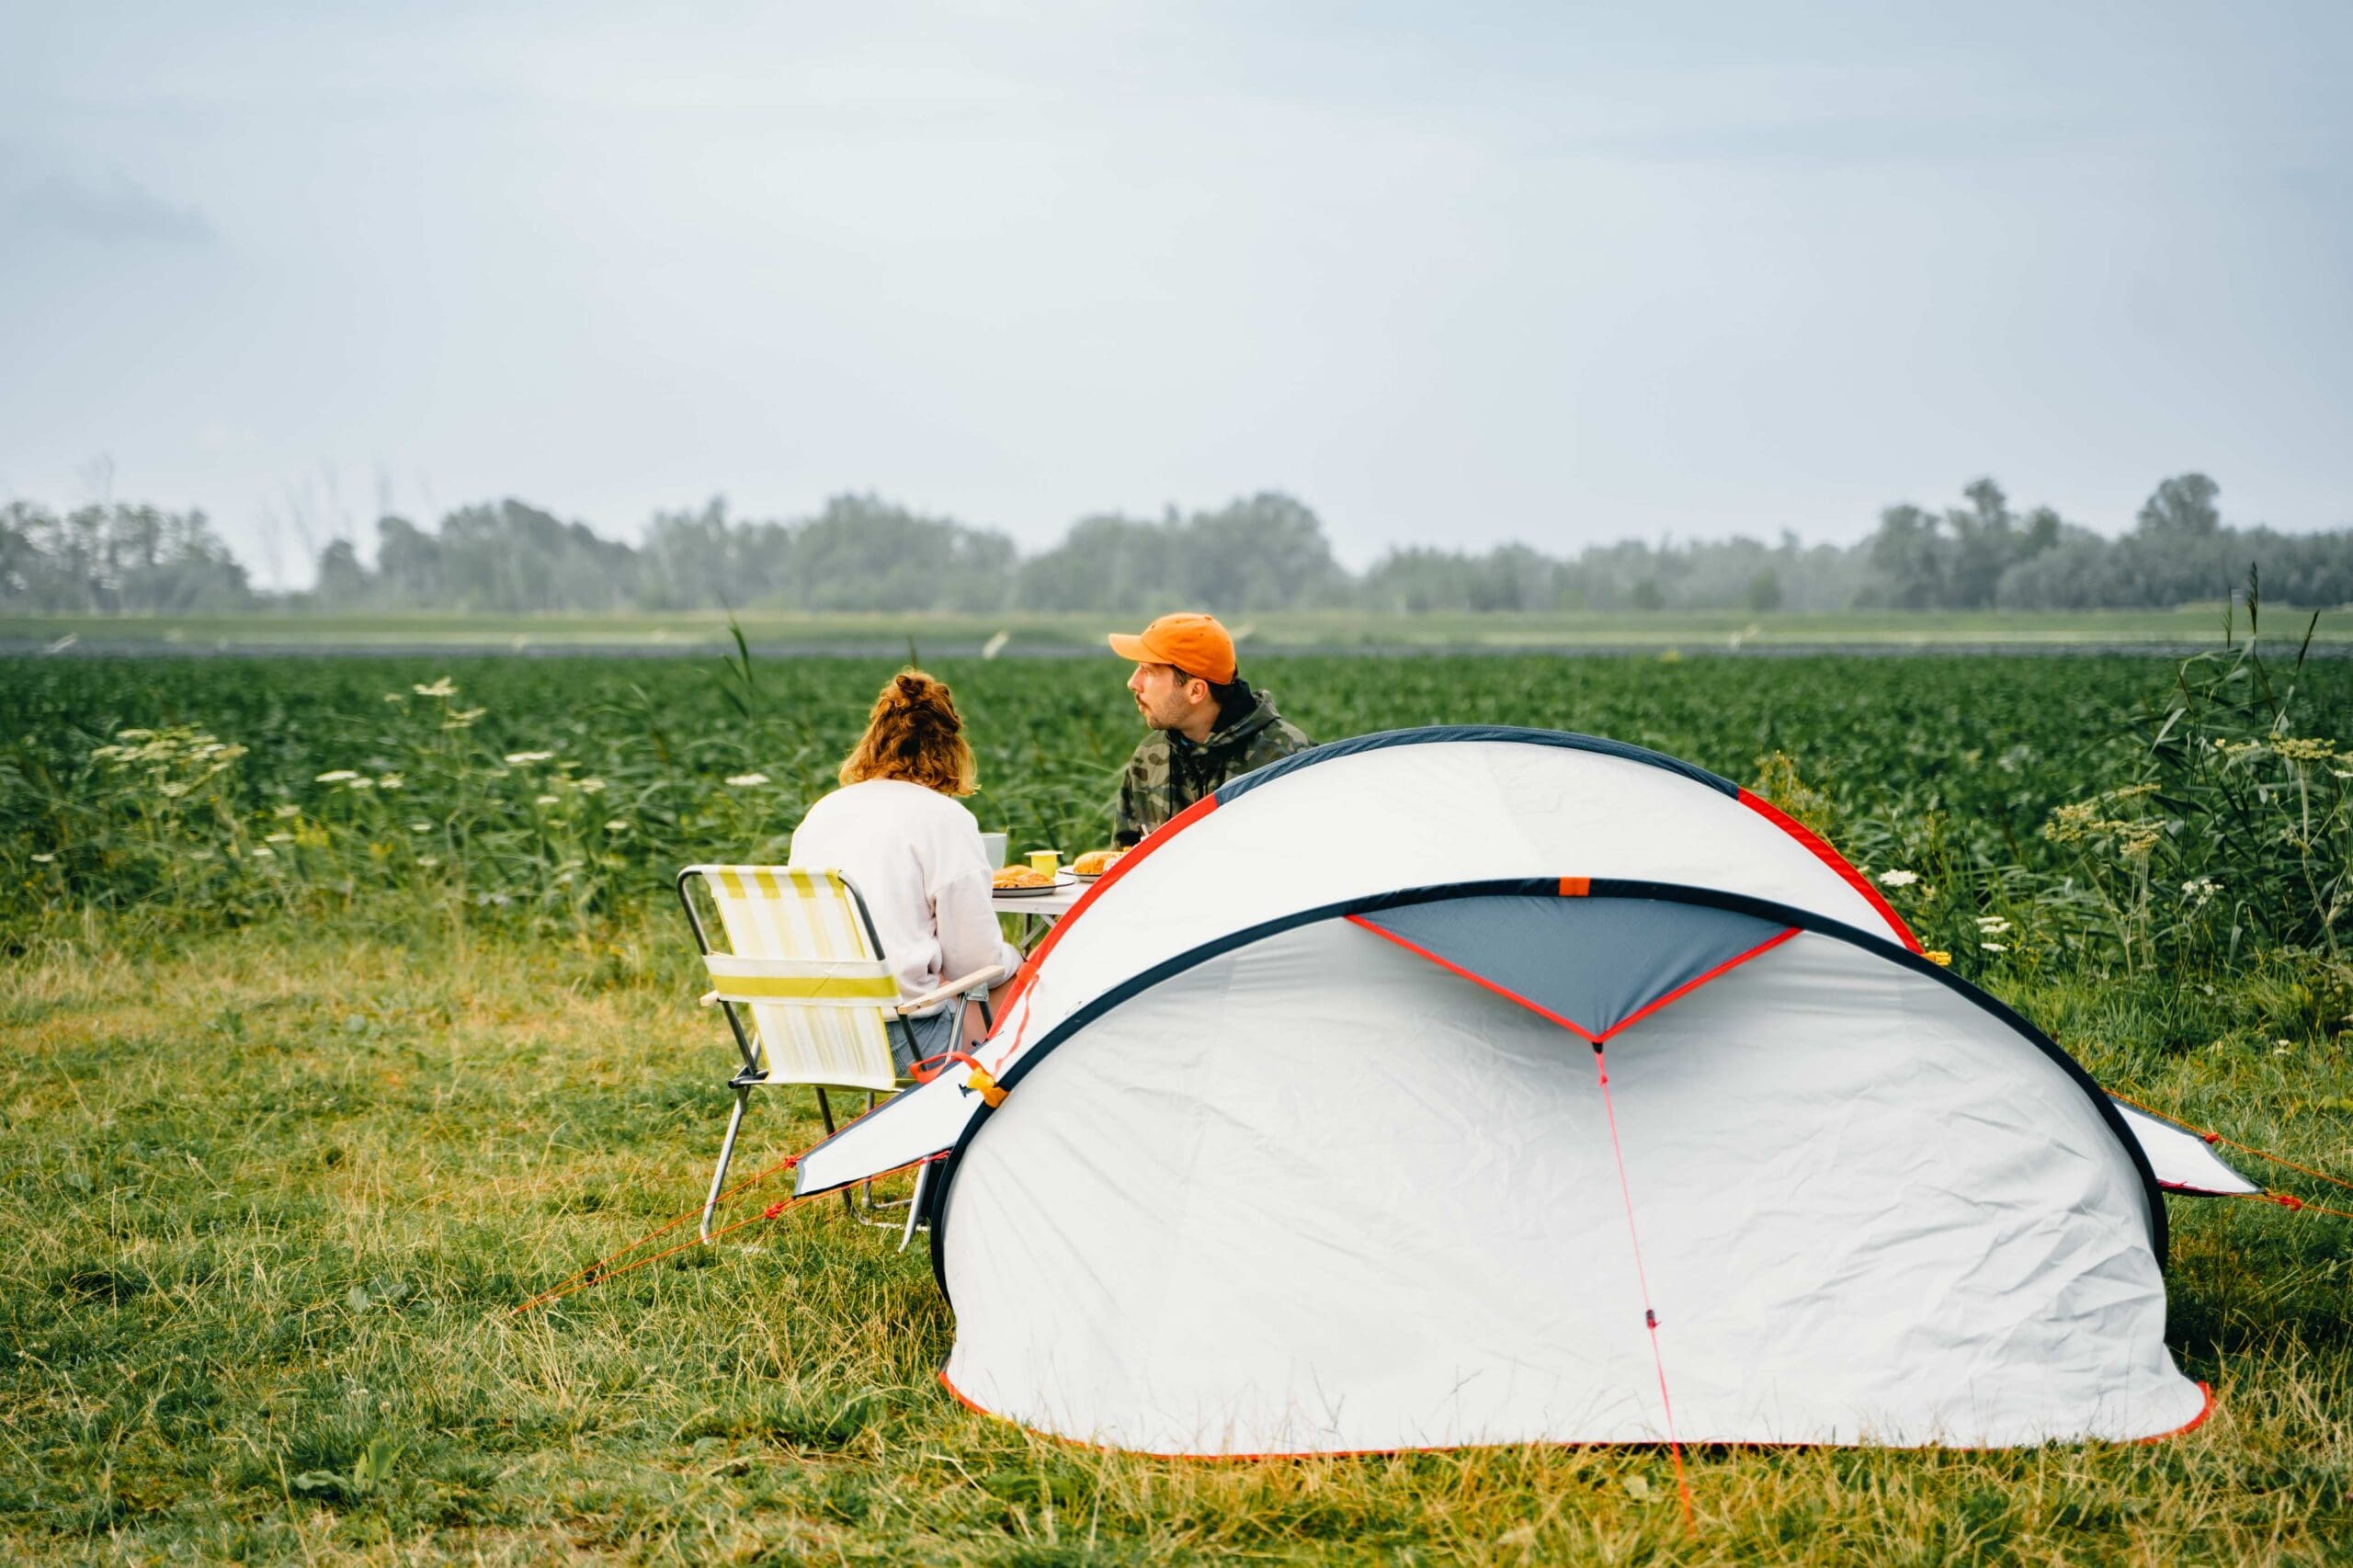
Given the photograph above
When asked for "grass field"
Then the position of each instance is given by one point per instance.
(282, 1136)
(1693, 632)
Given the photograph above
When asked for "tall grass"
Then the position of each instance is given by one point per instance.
(472, 793)
(553, 794)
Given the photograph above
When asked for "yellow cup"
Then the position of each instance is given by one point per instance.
(1046, 862)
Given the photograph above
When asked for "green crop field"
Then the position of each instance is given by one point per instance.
(344, 1006)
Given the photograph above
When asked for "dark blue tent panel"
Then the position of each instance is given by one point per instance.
(1591, 964)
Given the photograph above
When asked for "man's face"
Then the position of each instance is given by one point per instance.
(1166, 698)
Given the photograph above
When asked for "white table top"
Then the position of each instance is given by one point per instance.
(1046, 905)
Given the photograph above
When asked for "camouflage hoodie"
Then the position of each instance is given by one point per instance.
(1169, 772)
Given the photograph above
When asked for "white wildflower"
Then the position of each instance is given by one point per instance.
(429, 861)
(591, 785)
(264, 852)
(445, 687)
(544, 801)
(359, 781)
(519, 758)
(420, 828)
(1993, 947)
(280, 838)
(1898, 878)
(44, 859)
(340, 776)
(388, 782)
(614, 825)
(1992, 925)
(287, 814)
(746, 780)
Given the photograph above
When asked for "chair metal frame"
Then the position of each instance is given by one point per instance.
(965, 989)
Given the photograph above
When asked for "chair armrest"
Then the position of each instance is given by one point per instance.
(955, 987)
(708, 999)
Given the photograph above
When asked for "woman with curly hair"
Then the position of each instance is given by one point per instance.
(896, 829)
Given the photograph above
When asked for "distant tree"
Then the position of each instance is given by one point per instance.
(1416, 581)
(343, 581)
(115, 559)
(861, 552)
(1260, 553)
(693, 559)
(1105, 562)
(2064, 576)
(1984, 541)
(2182, 507)
(2179, 551)
(408, 564)
(514, 557)
(1906, 561)
(1265, 551)
(1919, 560)
(22, 563)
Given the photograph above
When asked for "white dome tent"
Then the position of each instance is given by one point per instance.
(1475, 1085)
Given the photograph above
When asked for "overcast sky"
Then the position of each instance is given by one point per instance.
(1448, 272)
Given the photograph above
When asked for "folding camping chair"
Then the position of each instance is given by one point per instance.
(810, 999)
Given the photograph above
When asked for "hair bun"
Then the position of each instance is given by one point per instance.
(922, 700)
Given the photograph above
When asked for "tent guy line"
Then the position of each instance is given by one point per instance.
(1642, 1276)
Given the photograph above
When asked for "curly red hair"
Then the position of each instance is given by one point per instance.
(914, 733)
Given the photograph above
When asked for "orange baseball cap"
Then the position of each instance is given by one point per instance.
(1194, 644)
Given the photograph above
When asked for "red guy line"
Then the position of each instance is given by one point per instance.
(1650, 1316)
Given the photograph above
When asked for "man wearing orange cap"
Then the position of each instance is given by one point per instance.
(1207, 724)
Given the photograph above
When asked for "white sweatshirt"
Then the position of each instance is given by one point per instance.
(916, 856)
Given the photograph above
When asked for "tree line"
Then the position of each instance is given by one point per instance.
(1263, 553)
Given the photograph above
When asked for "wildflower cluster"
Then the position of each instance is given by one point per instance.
(178, 762)
(2090, 823)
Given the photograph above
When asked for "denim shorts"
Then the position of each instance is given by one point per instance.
(934, 1036)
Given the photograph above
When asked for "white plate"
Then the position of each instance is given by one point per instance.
(1063, 882)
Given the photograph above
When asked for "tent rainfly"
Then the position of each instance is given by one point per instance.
(1461, 1086)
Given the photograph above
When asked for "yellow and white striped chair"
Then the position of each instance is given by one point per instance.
(808, 995)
